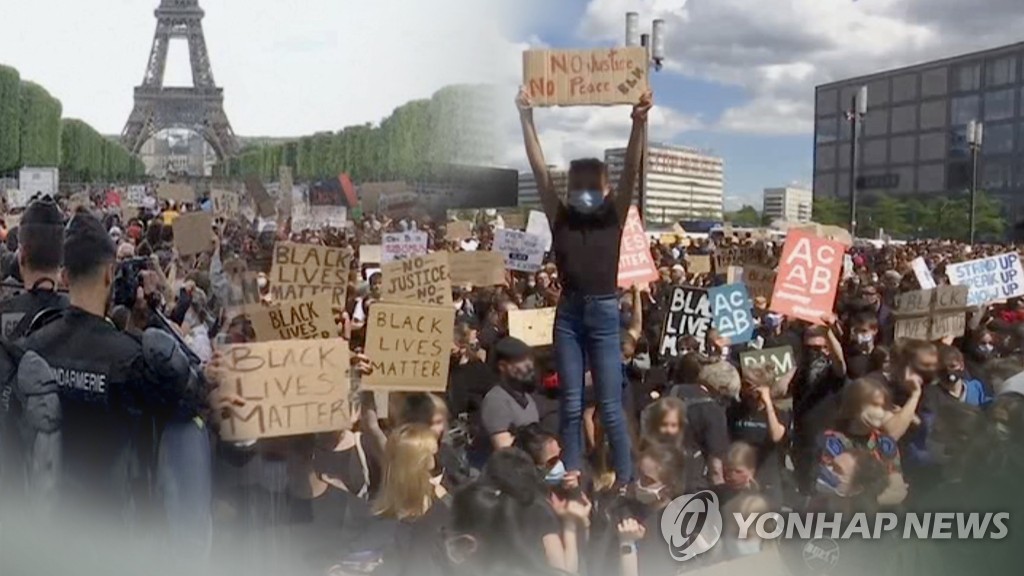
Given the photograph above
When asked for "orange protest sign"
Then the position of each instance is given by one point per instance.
(808, 276)
(635, 263)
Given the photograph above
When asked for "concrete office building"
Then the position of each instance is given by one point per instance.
(913, 139)
(787, 203)
(528, 195)
(682, 183)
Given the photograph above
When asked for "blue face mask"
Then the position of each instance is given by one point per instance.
(555, 475)
(828, 481)
(586, 201)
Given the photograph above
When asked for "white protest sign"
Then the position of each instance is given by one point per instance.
(538, 226)
(521, 251)
(136, 196)
(989, 279)
(924, 276)
(16, 198)
(399, 245)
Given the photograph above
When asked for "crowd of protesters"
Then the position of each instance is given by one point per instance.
(476, 480)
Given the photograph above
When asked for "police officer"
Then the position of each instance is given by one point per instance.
(111, 384)
(40, 251)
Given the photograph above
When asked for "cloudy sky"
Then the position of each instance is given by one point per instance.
(739, 79)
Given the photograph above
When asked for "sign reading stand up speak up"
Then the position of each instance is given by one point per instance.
(603, 76)
(989, 279)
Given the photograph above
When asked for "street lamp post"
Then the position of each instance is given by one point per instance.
(855, 116)
(975, 132)
(655, 44)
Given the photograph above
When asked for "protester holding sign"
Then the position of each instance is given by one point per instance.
(586, 239)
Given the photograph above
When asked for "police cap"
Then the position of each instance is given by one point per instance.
(87, 246)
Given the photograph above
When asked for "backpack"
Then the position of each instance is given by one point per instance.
(30, 422)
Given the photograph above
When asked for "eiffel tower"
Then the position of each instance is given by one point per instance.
(199, 108)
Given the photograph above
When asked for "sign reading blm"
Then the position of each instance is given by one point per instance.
(689, 314)
(409, 347)
(585, 77)
(289, 387)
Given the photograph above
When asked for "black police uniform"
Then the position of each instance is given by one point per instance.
(108, 397)
(17, 313)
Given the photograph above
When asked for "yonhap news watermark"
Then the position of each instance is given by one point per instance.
(692, 524)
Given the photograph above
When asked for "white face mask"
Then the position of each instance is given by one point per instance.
(585, 201)
(648, 494)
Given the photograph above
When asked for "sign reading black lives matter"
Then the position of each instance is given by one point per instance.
(689, 314)
(300, 271)
(409, 347)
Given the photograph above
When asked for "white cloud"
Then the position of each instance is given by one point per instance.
(778, 51)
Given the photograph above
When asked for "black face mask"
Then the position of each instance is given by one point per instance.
(524, 382)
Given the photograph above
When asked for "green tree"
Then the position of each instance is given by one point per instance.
(40, 126)
(747, 217)
(831, 211)
(10, 118)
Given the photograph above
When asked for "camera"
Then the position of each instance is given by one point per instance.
(127, 280)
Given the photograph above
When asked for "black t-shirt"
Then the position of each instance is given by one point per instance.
(750, 425)
(467, 385)
(707, 432)
(586, 249)
(17, 313)
(331, 529)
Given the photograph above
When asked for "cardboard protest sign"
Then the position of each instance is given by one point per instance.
(369, 254)
(931, 314)
(409, 347)
(989, 279)
(514, 220)
(243, 294)
(284, 176)
(912, 311)
(225, 203)
(135, 196)
(289, 387)
(176, 192)
(780, 360)
(585, 77)
(265, 204)
(636, 265)
(731, 312)
(193, 233)
(924, 276)
(949, 312)
(808, 277)
(535, 327)
(521, 251)
(300, 271)
(310, 319)
(418, 279)
(458, 231)
(399, 245)
(667, 239)
(733, 274)
(481, 268)
(698, 263)
(539, 226)
(689, 314)
(741, 256)
(828, 232)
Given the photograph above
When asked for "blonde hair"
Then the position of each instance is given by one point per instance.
(407, 493)
(744, 505)
(720, 377)
(741, 454)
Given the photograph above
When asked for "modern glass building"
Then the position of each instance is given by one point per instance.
(913, 138)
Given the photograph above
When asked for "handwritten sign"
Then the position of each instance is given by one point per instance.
(301, 271)
(521, 251)
(17, 198)
(399, 245)
(689, 314)
(418, 279)
(369, 254)
(225, 203)
(176, 192)
(808, 276)
(535, 327)
(539, 226)
(698, 263)
(193, 233)
(989, 279)
(409, 347)
(636, 266)
(731, 315)
(585, 77)
(932, 314)
(458, 231)
(289, 387)
(311, 319)
(924, 276)
(477, 268)
(779, 360)
(135, 196)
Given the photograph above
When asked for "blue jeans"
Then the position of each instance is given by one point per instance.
(186, 480)
(587, 332)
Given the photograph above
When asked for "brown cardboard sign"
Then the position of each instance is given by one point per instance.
(480, 268)
(418, 280)
(932, 314)
(310, 319)
(602, 76)
(369, 254)
(264, 201)
(409, 347)
(225, 203)
(456, 231)
(535, 327)
(698, 263)
(289, 387)
(300, 271)
(193, 233)
(176, 192)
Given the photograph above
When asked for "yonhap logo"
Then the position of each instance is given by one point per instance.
(691, 524)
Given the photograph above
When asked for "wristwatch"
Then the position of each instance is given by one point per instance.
(627, 549)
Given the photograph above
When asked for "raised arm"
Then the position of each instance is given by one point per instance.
(634, 155)
(534, 153)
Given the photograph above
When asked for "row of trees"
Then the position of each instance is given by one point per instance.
(404, 145)
(32, 133)
(901, 217)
